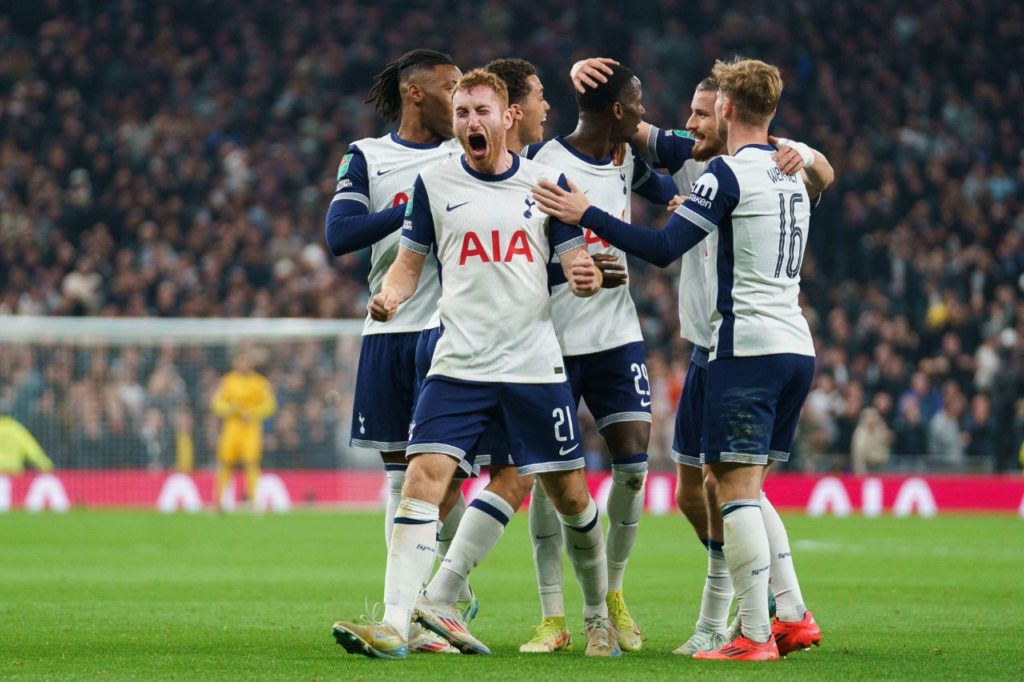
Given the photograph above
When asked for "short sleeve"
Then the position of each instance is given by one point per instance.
(564, 237)
(714, 196)
(353, 183)
(418, 229)
(669, 148)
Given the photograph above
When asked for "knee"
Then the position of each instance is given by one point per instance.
(510, 486)
(690, 501)
(571, 497)
(427, 478)
(626, 439)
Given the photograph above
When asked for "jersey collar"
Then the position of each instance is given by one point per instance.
(580, 155)
(415, 145)
(493, 178)
(763, 147)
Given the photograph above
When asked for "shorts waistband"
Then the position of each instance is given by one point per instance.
(700, 356)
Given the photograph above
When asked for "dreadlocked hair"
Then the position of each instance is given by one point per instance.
(386, 95)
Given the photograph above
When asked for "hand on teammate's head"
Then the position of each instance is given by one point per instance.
(589, 73)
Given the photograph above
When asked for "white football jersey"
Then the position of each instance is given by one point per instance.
(392, 165)
(762, 217)
(607, 319)
(698, 279)
(493, 245)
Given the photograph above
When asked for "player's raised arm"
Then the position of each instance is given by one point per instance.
(796, 157)
(349, 225)
(403, 276)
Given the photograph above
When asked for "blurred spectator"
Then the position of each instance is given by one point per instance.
(871, 440)
(911, 431)
(946, 437)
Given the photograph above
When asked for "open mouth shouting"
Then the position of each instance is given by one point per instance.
(477, 145)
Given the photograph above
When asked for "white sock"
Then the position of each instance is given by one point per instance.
(546, 535)
(449, 527)
(718, 593)
(584, 543)
(749, 561)
(396, 479)
(481, 528)
(789, 602)
(410, 558)
(625, 504)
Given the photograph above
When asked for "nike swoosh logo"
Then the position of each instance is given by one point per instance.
(544, 537)
(385, 172)
(583, 549)
(563, 451)
(449, 207)
(645, 403)
(630, 523)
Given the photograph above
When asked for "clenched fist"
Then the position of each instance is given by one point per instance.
(383, 306)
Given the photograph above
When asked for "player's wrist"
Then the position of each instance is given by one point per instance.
(804, 150)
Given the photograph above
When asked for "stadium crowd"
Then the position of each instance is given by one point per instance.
(177, 159)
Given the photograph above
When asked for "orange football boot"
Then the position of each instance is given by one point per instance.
(742, 649)
(792, 637)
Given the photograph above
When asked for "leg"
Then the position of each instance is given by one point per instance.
(453, 507)
(481, 528)
(395, 467)
(226, 461)
(382, 407)
(690, 499)
(742, 395)
(251, 462)
(627, 441)
(748, 555)
(414, 536)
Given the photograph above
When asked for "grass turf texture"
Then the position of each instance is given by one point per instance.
(117, 595)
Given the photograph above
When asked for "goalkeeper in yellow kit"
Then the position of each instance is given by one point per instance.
(242, 400)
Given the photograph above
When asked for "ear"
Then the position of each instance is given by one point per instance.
(508, 118)
(414, 93)
(618, 110)
(517, 112)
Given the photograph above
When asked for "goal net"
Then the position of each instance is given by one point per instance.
(115, 401)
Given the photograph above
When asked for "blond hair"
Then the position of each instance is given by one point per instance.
(486, 79)
(753, 86)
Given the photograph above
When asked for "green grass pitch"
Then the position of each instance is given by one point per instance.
(138, 595)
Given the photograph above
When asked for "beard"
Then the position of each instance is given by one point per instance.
(706, 149)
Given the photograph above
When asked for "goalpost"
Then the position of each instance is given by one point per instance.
(115, 402)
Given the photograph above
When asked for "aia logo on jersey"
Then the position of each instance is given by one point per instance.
(591, 238)
(473, 247)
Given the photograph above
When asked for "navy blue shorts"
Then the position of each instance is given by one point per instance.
(492, 448)
(540, 420)
(613, 382)
(385, 388)
(752, 406)
(686, 442)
